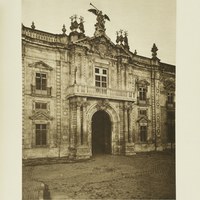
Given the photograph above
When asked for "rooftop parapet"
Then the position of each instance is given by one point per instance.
(34, 35)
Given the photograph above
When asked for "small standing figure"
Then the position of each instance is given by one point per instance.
(81, 26)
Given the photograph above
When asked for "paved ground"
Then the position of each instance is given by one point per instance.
(143, 176)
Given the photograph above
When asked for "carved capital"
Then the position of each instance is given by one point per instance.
(78, 104)
(85, 104)
(72, 105)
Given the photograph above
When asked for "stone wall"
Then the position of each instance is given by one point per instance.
(72, 98)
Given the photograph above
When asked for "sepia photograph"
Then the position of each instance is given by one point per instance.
(98, 99)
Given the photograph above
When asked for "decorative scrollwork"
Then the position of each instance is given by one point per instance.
(103, 104)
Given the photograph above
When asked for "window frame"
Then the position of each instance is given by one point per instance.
(41, 134)
(41, 104)
(170, 97)
(143, 133)
(143, 112)
(171, 127)
(101, 77)
(41, 81)
(142, 93)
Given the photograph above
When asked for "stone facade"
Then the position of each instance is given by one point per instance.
(69, 78)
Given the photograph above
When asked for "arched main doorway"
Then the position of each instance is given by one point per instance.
(101, 133)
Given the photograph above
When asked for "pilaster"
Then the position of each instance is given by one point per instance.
(58, 104)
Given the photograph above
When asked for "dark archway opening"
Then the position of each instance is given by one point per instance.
(101, 133)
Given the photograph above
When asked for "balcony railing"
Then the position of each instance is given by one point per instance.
(145, 102)
(80, 90)
(37, 92)
(170, 105)
(33, 34)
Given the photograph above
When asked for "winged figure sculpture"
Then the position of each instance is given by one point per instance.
(98, 12)
(100, 25)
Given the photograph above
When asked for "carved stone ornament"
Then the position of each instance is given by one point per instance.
(142, 83)
(154, 51)
(85, 104)
(41, 65)
(169, 84)
(103, 104)
(102, 50)
(100, 24)
(143, 120)
(41, 116)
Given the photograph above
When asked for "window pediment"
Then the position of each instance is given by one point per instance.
(143, 121)
(142, 83)
(41, 65)
(41, 116)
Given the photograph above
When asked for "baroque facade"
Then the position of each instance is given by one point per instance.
(86, 95)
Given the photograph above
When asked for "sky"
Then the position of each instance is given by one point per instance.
(147, 21)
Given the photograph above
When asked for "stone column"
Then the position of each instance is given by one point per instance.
(126, 122)
(127, 78)
(121, 131)
(129, 147)
(130, 139)
(71, 139)
(84, 121)
(78, 130)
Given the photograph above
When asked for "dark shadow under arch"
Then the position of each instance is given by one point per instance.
(101, 133)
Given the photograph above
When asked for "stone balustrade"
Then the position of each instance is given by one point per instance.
(33, 34)
(143, 102)
(36, 92)
(87, 91)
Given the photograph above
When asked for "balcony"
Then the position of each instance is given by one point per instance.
(35, 92)
(170, 105)
(107, 93)
(145, 102)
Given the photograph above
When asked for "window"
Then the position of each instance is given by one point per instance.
(41, 81)
(101, 77)
(143, 112)
(142, 93)
(41, 134)
(143, 133)
(170, 97)
(40, 105)
(171, 126)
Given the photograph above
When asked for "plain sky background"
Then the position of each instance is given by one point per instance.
(147, 21)
(187, 89)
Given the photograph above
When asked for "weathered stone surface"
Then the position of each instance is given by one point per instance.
(72, 95)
